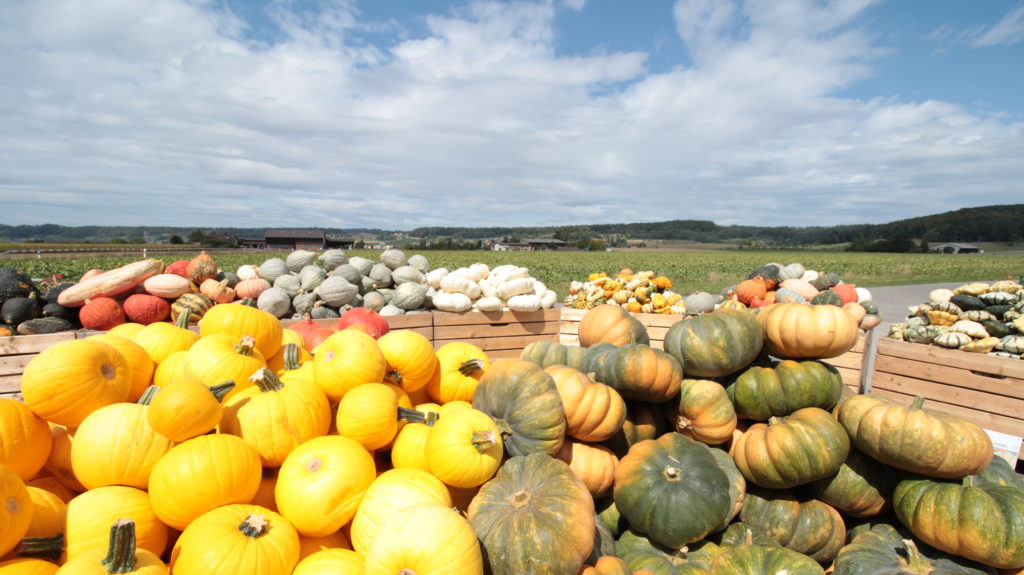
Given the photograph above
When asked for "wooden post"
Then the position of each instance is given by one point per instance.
(867, 365)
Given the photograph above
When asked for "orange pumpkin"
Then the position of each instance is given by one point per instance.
(612, 324)
(16, 511)
(593, 411)
(592, 464)
(800, 330)
(25, 439)
(705, 412)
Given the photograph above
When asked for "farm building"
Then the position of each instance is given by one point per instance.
(292, 239)
(529, 245)
(955, 248)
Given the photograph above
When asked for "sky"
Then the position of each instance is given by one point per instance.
(397, 114)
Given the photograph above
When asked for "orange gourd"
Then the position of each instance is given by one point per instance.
(593, 464)
(800, 330)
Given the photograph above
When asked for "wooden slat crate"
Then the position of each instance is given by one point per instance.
(421, 323)
(499, 334)
(17, 351)
(849, 364)
(657, 325)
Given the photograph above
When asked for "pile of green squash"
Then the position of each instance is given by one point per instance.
(27, 308)
(732, 460)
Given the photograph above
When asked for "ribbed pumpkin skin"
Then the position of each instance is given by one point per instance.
(453, 384)
(794, 450)
(760, 393)
(801, 330)
(637, 371)
(913, 439)
(984, 524)
(428, 539)
(25, 439)
(392, 491)
(184, 409)
(705, 412)
(524, 403)
(640, 553)
(346, 359)
(804, 525)
(672, 489)
(241, 320)
(115, 445)
(15, 511)
(612, 324)
(214, 544)
(883, 549)
(195, 303)
(534, 517)
(715, 344)
(70, 379)
(464, 448)
(49, 513)
(643, 421)
(90, 515)
(861, 488)
(202, 473)
(594, 465)
(593, 411)
(28, 566)
(546, 353)
(331, 562)
(757, 560)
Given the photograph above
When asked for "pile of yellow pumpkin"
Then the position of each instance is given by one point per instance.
(641, 292)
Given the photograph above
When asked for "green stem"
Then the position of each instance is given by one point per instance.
(266, 380)
(484, 439)
(221, 390)
(471, 366)
(291, 356)
(411, 415)
(250, 302)
(254, 526)
(918, 402)
(121, 548)
(42, 547)
(182, 320)
(147, 396)
(246, 345)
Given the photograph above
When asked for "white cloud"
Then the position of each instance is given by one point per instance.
(168, 112)
(1006, 32)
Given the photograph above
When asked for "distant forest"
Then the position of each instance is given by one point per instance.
(1003, 223)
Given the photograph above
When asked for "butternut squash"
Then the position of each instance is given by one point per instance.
(110, 283)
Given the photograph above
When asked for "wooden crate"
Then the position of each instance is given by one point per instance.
(17, 351)
(499, 334)
(421, 323)
(657, 325)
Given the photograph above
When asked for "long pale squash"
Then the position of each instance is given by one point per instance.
(110, 282)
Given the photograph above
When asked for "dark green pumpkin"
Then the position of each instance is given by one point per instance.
(534, 516)
(16, 310)
(996, 328)
(673, 489)
(760, 393)
(56, 310)
(523, 401)
(998, 309)
(14, 283)
(604, 542)
(827, 297)
(999, 473)
(967, 302)
(715, 344)
(861, 488)
(884, 550)
(983, 523)
(759, 560)
(639, 552)
(197, 304)
(637, 371)
(44, 325)
(807, 526)
(547, 353)
(608, 515)
(869, 306)
(643, 421)
(768, 272)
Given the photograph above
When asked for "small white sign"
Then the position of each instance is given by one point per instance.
(1005, 445)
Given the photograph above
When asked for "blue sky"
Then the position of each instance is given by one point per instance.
(399, 114)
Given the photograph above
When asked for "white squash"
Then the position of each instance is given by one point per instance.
(549, 299)
(455, 283)
(863, 294)
(524, 302)
(482, 270)
(247, 272)
(514, 287)
(490, 303)
(434, 277)
(452, 301)
(488, 289)
(468, 273)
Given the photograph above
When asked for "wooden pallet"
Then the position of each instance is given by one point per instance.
(498, 334)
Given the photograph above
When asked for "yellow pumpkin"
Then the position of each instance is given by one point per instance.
(49, 514)
(172, 369)
(409, 450)
(461, 364)
(411, 360)
(15, 509)
(185, 408)
(311, 545)
(220, 357)
(331, 562)
(70, 379)
(414, 539)
(321, 483)
(120, 556)
(391, 492)
(345, 359)
(464, 448)
(801, 330)
(277, 361)
(127, 330)
(240, 320)
(25, 439)
(369, 414)
(141, 365)
(28, 566)
(203, 473)
(161, 339)
(115, 445)
(265, 494)
(50, 483)
(90, 515)
(274, 417)
(234, 539)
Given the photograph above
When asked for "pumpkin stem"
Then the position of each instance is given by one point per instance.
(250, 302)
(246, 345)
(774, 420)
(520, 499)
(291, 356)
(221, 390)
(912, 559)
(394, 377)
(918, 402)
(182, 320)
(406, 571)
(266, 380)
(414, 416)
(42, 547)
(147, 396)
(471, 366)
(121, 548)
(672, 473)
(254, 526)
(484, 439)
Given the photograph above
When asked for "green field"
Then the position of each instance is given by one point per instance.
(689, 271)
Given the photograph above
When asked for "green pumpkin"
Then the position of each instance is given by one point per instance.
(643, 421)
(999, 473)
(637, 371)
(715, 344)
(827, 297)
(604, 541)
(861, 488)
(546, 353)
(983, 523)
(639, 552)
(534, 516)
(674, 490)
(883, 549)
(758, 560)
(996, 328)
(524, 402)
(760, 393)
(608, 515)
(807, 526)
